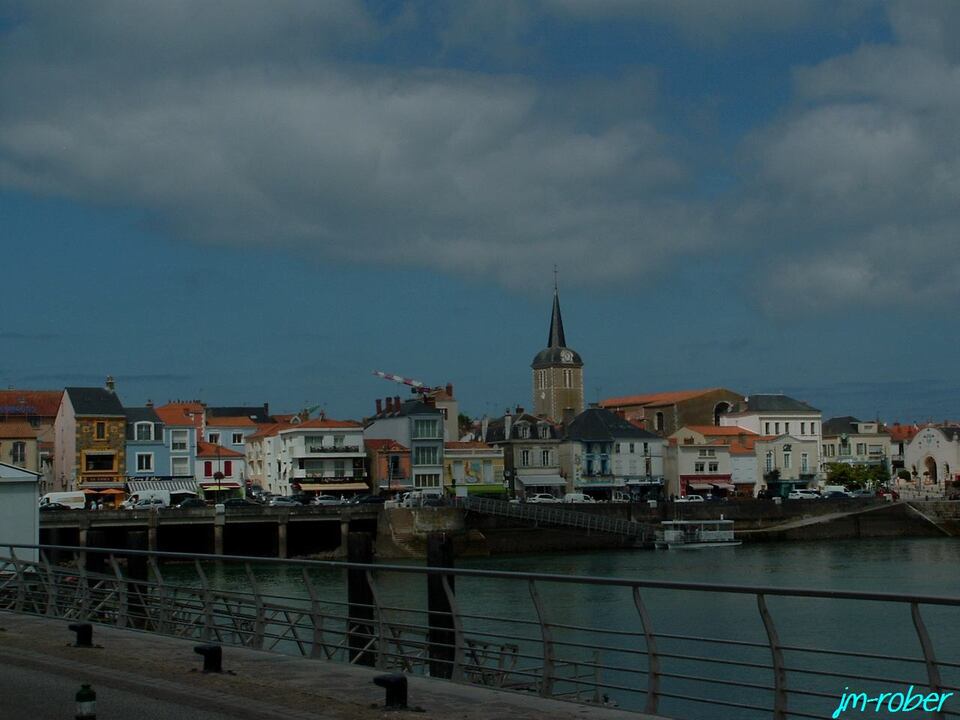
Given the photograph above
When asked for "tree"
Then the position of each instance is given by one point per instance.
(857, 476)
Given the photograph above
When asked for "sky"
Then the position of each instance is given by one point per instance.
(247, 202)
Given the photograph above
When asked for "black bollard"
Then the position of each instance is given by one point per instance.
(212, 657)
(360, 628)
(441, 638)
(396, 686)
(84, 633)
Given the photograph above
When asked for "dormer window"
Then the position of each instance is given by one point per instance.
(143, 431)
(543, 431)
(523, 430)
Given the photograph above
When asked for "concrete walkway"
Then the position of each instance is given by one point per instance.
(145, 676)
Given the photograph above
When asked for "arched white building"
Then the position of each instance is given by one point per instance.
(932, 458)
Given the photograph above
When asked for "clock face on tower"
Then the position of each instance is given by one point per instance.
(566, 356)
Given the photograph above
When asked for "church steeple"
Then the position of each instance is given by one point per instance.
(557, 370)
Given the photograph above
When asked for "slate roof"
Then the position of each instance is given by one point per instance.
(495, 429)
(846, 425)
(410, 407)
(36, 403)
(259, 413)
(141, 414)
(952, 432)
(764, 402)
(601, 425)
(94, 401)
(556, 342)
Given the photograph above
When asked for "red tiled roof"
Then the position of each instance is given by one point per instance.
(285, 418)
(663, 398)
(179, 413)
(323, 423)
(268, 430)
(467, 445)
(209, 450)
(17, 429)
(900, 432)
(383, 444)
(38, 403)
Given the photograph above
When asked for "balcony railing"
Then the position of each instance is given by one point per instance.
(327, 449)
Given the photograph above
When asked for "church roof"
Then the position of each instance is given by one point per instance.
(556, 352)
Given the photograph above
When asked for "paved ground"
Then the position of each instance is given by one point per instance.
(143, 677)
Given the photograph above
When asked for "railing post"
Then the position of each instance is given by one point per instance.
(207, 601)
(929, 658)
(83, 587)
(21, 581)
(360, 600)
(779, 674)
(653, 659)
(441, 638)
(316, 618)
(381, 662)
(459, 644)
(546, 635)
(137, 606)
(52, 585)
(259, 622)
(163, 612)
(122, 592)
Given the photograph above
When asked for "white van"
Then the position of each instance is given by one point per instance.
(163, 496)
(577, 498)
(72, 500)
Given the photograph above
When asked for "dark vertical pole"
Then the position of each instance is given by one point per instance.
(441, 638)
(360, 629)
(96, 561)
(137, 570)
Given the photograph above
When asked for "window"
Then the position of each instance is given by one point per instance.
(707, 452)
(424, 429)
(523, 430)
(776, 428)
(426, 456)
(525, 458)
(803, 428)
(786, 428)
(237, 438)
(545, 457)
(180, 466)
(617, 448)
(18, 453)
(658, 421)
(861, 448)
(228, 468)
(804, 462)
(338, 442)
(632, 448)
(338, 468)
(698, 467)
(101, 462)
(766, 428)
(214, 438)
(646, 448)
(786, 460)
(430, 480)
(714, 467)
(208, 468)
(568, 378)
(769, 464)
(543, 431)
(144, 462)
(179, 439)
(813, 428)
(101, 431)
(541, 379)
(143, 431)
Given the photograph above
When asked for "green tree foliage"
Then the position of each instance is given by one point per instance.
(857, 476)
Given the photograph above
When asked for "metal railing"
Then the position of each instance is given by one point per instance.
(550, 514)
(677, 649)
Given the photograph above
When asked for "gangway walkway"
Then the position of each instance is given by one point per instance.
(544, 514)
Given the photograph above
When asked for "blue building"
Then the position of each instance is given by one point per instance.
(147, 452)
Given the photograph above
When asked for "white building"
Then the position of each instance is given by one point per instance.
(776, 415)
(932, 458)
(19, 517)
(855, 442)
(322, 457)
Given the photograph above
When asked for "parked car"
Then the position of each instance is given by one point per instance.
(326, 500)
(368, 500)
(283, 501)
(863, 492)
(238, 502)
(689, 498)
(54, 507)
(543, 498)
(191, 502)
(804, 494)
(150, 503)
(578, 498)
(833, 494)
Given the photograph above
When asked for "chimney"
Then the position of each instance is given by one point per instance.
(266, 409)
(389, 404)
(450, 389)
(519, 410)
(484, 423)
(111, 385)
(149, 403)
(304, 414)
(396, 403)
(379, 406)
(507, 424)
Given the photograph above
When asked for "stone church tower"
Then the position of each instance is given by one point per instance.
(557, 373)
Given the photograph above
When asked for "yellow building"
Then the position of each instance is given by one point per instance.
(90, 437)
(472, 468)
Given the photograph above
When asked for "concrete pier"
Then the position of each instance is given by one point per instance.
(149, 676)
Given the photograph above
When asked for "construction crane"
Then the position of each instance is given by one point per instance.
(415, 386)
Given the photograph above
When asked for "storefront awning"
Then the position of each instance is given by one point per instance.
(541, 480)
(485, 489)
(217, 486)
(179, 485)
(724, 486)
(700, 486)
(644, 481)
(333, 487)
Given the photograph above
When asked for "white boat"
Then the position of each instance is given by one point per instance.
(695, 534)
